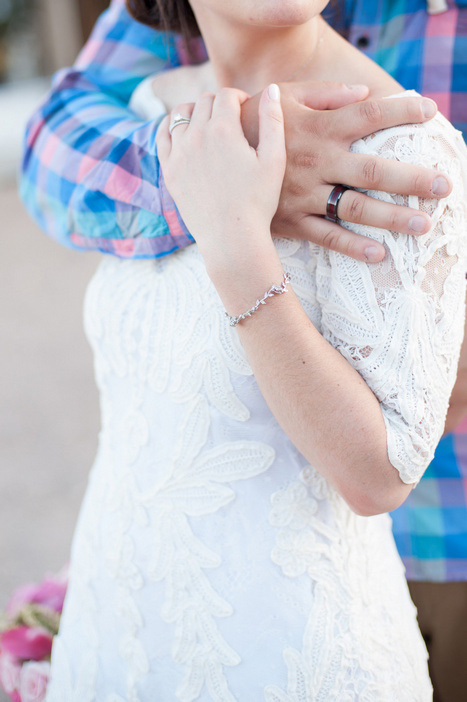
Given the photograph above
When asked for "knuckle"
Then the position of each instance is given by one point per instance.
(372, 173)
(331, 239)
(421, 184)
(306, 160)
(395, 221)
(276, 117)
(371, 112)
(350, 247)
(355, 208)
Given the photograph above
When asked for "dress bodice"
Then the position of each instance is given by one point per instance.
(210, 561)
(399, 322)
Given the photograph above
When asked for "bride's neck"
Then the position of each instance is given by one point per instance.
(251, 57)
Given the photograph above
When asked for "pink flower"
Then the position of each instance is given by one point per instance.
(33, 681)
(26, 643)
(10, 669)
(50, 593)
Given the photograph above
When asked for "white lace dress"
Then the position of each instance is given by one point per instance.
(210, 561)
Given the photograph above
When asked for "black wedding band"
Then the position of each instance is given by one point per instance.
(333, 201)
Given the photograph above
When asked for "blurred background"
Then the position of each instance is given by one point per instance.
(48, 402)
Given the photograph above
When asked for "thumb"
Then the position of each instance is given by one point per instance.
(271, 126)
(328, 95)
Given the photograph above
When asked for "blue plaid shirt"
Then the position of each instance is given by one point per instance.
(427, 53)
(91, 179)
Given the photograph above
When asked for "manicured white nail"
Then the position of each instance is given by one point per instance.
(274, 92)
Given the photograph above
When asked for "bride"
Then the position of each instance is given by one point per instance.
(233, 543)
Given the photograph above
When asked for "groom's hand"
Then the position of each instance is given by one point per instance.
(322, 120)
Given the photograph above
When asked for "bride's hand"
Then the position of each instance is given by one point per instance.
(227, 192)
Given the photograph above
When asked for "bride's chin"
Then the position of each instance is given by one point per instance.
(287, 13)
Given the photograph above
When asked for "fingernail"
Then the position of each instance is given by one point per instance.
(418, 224)
(440, 186)
(372, 254)
(358, 86)
(274, 92)
(429, 108)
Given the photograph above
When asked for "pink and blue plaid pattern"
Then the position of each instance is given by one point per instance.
(90, 174)
(430, 528)
(91, 180)
(425, 52)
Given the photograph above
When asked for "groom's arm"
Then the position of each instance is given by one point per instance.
(90, 174)
(91, 177)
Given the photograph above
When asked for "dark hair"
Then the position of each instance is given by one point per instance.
(166, 15)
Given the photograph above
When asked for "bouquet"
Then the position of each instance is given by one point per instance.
(27, 628)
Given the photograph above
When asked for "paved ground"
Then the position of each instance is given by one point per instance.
(48, 402)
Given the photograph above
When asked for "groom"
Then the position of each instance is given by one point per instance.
(91, 166)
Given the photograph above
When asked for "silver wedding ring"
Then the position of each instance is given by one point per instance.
(177, 120)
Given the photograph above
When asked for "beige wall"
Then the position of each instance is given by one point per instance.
(49, 417)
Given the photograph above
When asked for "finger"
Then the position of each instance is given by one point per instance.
(361, 209)
(202, 110)
(163, 140)
(271, 145)
(332, 236)
(376, 173)
(327, 95)
(180, 111)
(228, 102)
(365, 118)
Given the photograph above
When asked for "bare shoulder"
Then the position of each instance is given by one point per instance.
(184, 84)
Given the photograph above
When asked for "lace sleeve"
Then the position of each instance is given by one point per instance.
(400, 322)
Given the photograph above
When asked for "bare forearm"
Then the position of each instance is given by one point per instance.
(321, 402)
(228, 196)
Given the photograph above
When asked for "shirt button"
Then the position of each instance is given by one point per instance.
(363, 42)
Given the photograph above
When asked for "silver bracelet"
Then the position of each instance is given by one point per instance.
(273, 290)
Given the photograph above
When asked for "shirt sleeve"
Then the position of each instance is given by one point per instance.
(90, 175)
(400, 323)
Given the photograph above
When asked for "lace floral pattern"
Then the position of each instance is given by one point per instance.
(201, 519)
(345, 625)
